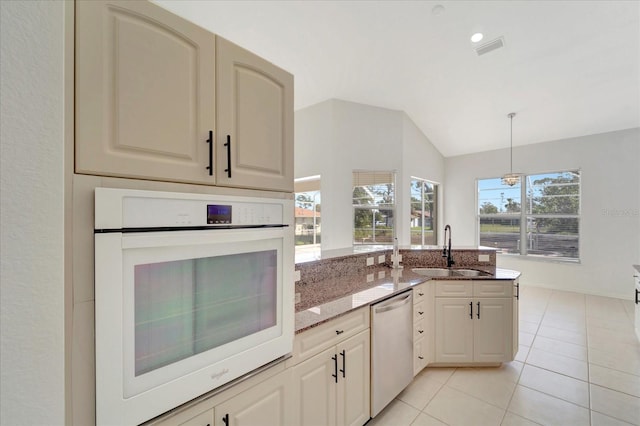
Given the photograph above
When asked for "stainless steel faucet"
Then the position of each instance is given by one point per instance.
(446, 251)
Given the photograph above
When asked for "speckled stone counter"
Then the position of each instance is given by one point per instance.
(327, 299)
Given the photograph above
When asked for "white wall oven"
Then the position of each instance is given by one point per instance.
(192, 292)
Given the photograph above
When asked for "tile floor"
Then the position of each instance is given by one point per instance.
(578, 364)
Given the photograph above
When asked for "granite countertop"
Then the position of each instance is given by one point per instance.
(370, 286)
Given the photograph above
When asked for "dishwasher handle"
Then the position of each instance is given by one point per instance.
(392, 304)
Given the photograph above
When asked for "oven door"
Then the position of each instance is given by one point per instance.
(180, 313)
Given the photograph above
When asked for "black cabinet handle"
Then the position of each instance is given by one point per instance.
(518, 291)
(335, 367)
(210, 142)
(420, 294)
(637, 292)
(225, 419)
(420, 357)
(420, 331)
(228, 145)
(478, 310)
(344, 363)
(420, 313)
(471, 310)
(339, 331)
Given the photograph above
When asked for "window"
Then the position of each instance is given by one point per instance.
(424, 210)
(547, 225)
(307, 215)
(374, 206)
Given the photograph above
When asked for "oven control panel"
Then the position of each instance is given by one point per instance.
(218, 214)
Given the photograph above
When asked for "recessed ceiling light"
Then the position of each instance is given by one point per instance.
(437, 9)
(476, 37)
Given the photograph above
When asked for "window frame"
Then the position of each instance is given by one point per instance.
(375, 207)
(434, 218)
(524, 216)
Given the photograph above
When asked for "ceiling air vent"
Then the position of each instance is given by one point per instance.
(490, 46)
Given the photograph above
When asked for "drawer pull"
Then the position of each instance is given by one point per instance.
(637, 292)
(420, 331)
(471, 310)
(420, 357)
(478, 310)
(335, 367)
(338, 332)
(344, 363)
(228, 145)
(420, 294)
(210, 142)
(225, 419)
(420, 312)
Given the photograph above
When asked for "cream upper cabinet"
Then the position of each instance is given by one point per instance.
(145, 92)
(159, 98)
(254, 147)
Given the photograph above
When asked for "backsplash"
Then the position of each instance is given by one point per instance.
(332, 278)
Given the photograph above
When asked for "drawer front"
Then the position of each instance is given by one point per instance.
(315, 340)
(419, 311)
(454, 289)
(419, 355)
(419, 329)
(419, 293)
(491, 288)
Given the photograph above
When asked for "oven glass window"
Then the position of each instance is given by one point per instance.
(185, 307)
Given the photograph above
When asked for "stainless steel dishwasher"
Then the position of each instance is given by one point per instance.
(391, 349)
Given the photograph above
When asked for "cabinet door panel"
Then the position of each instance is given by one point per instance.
(255, 111)
(314, 390)
(145, 92)
(454, 330)
(266, 404)
(492, 330)
(353, 403)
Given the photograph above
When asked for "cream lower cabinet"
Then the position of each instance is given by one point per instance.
(332, 388)
(266, 404)
(472, 327)
(159, 98)
(422, 327)
(331, 372)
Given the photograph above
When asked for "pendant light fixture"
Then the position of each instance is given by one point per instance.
(511, 178)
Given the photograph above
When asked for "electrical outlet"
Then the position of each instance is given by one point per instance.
(483, 258)
(296, 276)
(369, 261)
(381, 258)
(298, 298)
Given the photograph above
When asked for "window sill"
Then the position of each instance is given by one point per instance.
(546, 259)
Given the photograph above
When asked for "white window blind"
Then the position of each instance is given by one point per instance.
(374, 207)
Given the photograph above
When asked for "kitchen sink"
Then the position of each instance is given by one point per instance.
(434, 272)
(444, 272)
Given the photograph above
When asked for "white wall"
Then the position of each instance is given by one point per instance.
(610, 207)
(32, 385)
(335, 137)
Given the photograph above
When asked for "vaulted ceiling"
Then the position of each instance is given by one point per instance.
(567, 68)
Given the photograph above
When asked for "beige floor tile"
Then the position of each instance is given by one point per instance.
(558, 363)
(523, 352)
(511, 419)
(561, 348)
(611, 323)
(531, 316)
(563, 335)
(614, 379)
(608, 336)
(599, 419)
(525, 339)
(484, 385)
(528, 327)
(438, 374)
(509, 371)
(555, 384)
(426, 420)
(615, 404)
(624, 359)
(397, 413)
(577, 326)
(546, 409)
(420, 391)
(457, 408)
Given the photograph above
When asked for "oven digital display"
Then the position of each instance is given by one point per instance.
(218, 213)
